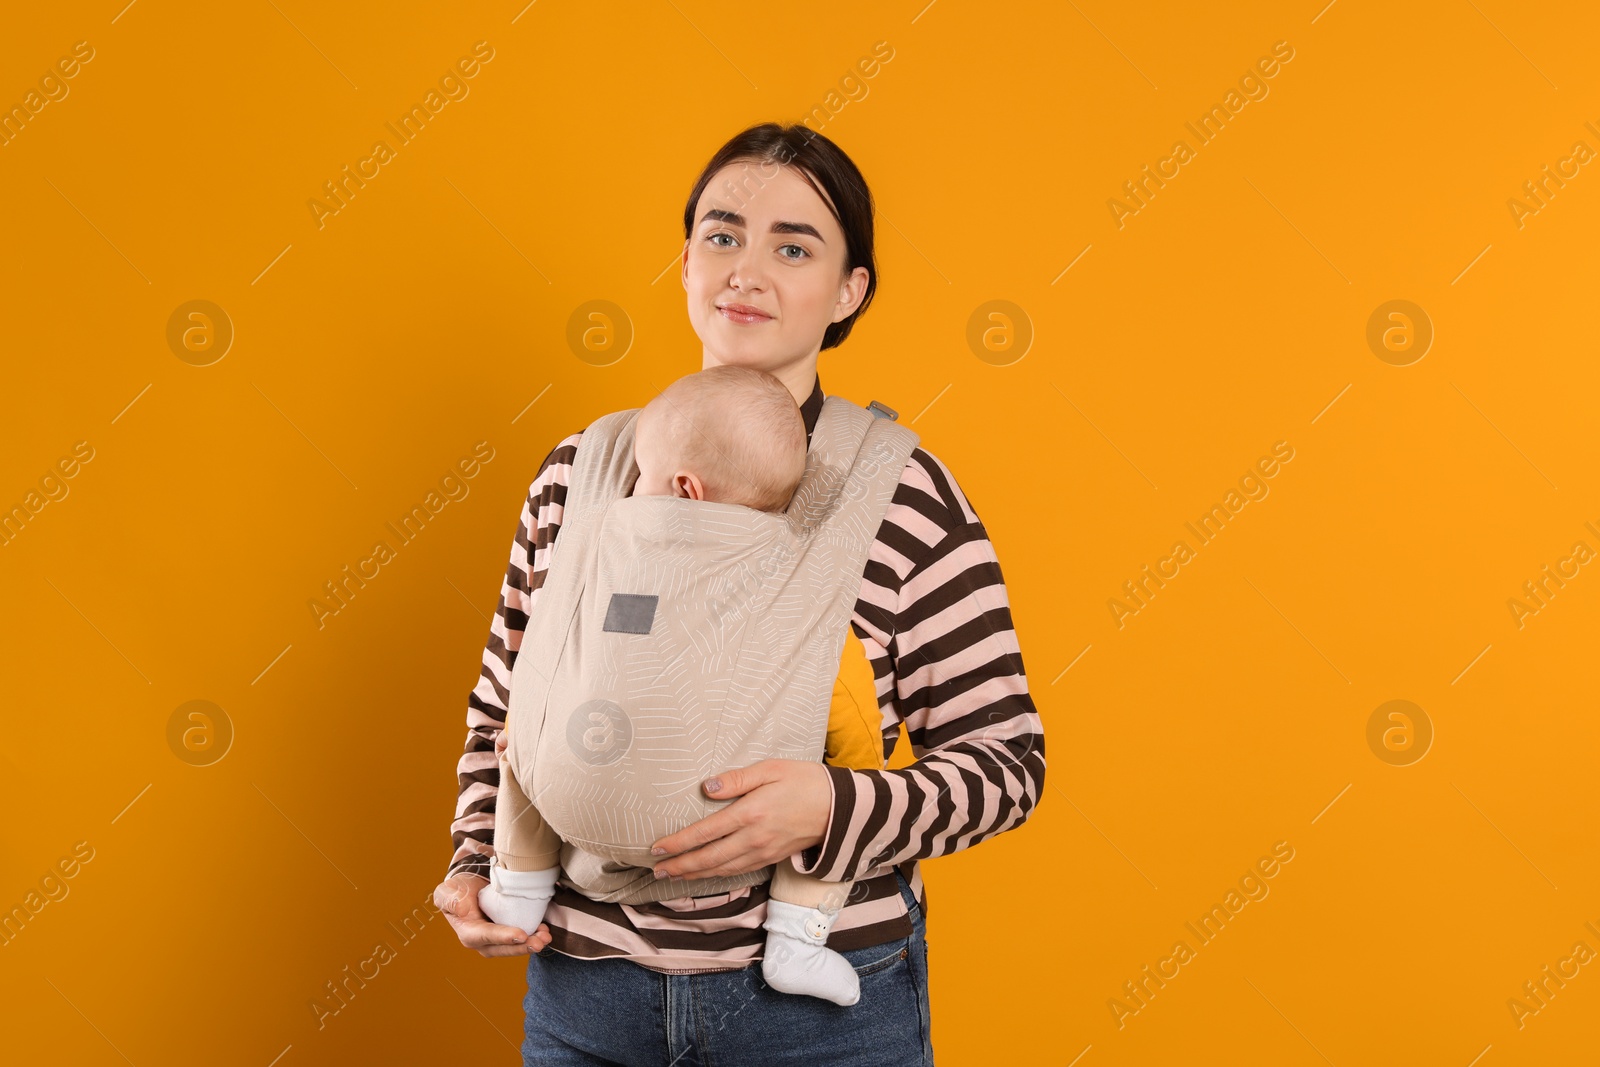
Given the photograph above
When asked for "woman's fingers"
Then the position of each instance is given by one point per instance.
(457, 898)
(743, 836)
(733, 854)
(494, 939)
(698, 835)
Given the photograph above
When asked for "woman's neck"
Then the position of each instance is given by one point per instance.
(800, 380)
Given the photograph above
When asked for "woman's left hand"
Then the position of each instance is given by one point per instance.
(782, 807)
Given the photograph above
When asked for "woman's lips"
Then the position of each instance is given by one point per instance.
(748, 318)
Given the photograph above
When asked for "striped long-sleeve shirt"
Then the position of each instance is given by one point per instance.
(934, 619)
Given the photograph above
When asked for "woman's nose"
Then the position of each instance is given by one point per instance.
(748, 271)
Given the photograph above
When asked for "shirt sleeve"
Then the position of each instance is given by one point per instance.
(936, 622)
(478, 770)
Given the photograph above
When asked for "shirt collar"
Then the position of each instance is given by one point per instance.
(811, 410)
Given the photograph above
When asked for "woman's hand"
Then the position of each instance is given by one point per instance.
(783, 807)
(457, 897)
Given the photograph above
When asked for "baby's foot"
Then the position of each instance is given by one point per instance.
(517, 898)
(797, 958)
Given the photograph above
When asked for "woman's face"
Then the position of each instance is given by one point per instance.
(772, 246)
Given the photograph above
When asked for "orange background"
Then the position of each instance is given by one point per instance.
(1226, 315)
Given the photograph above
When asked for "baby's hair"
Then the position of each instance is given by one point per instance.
(739, 429)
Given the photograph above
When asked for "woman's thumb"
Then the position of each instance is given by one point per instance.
(462, 900)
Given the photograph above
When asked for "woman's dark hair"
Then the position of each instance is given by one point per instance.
(842, 188)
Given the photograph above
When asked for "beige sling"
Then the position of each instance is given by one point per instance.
(674, 638)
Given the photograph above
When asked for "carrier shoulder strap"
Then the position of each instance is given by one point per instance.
(852, 469)
(603, 470)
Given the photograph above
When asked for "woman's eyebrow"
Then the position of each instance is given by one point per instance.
(733, 218)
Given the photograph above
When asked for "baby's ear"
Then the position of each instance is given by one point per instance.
(687, 485)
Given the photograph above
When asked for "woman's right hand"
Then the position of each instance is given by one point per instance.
(457, 897)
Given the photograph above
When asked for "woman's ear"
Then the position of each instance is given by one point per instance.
(851, 292)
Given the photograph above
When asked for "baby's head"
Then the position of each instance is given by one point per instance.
(732, 435)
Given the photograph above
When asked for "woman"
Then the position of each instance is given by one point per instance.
(778, 264)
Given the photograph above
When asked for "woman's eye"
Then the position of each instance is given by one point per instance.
(713, 239)
(797, 248)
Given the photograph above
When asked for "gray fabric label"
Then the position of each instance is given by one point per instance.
(630, 613)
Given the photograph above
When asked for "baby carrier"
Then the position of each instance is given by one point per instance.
(675, 638)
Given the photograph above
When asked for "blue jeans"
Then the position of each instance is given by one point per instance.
(614, 1012)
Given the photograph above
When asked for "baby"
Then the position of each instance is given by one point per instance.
(729, 435)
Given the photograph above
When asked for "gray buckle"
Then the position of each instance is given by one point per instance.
(883, 412)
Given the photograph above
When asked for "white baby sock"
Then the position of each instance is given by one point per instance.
(797, 958)
(517, 898)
